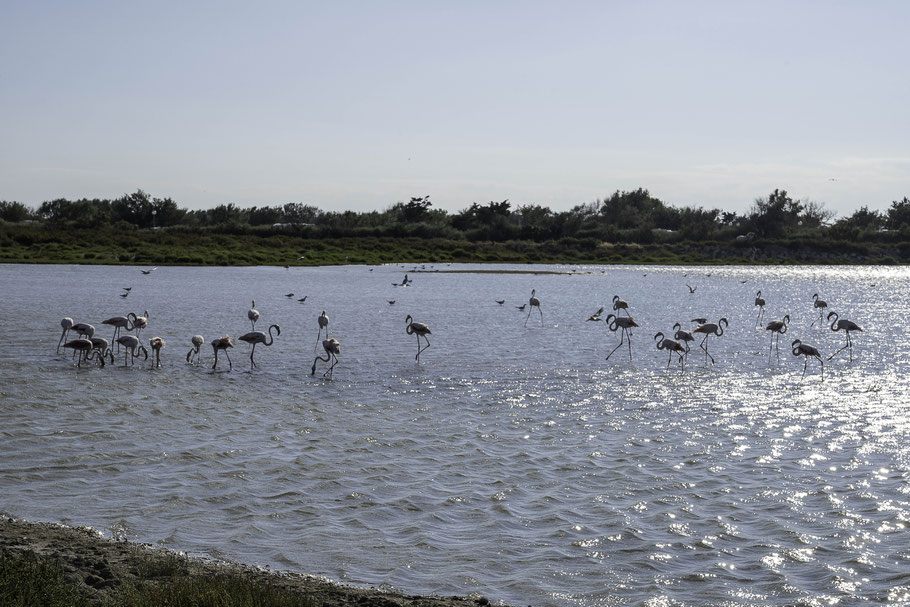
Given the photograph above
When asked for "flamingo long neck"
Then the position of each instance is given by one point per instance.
(834, 325)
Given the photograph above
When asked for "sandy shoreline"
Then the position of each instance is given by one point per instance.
(101, 567)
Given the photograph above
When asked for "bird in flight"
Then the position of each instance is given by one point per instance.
(149, 271)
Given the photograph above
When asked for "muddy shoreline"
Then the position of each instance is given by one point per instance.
(102, 567)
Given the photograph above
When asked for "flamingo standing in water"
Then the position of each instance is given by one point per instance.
(258, 337)
(253, 315)
(139, 322)
(799, 348)
(222, 343)
(820, 305)
(84, 347)
(761, 307)
(84, 329)
(197, 342)
(66, 324)
(625, 323)
(672, 346)
(535, 303)
(131, 347)
(708, 329)
(118, 322)
(847, 325)
(777, 328)
(323, 324)
(332, 350)
(157, 343)
(683, 336)
(103, 347)
(619, 304)
(420, 330)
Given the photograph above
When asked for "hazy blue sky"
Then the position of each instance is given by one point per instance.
(357, 105)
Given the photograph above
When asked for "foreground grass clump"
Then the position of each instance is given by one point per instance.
(27, 581)
(220, 591)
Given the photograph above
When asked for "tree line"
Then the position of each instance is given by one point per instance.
(623, 217)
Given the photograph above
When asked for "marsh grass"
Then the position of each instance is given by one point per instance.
(164, 579)
(215, 591)
(27, 581)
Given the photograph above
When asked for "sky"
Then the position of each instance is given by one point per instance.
(358, 105)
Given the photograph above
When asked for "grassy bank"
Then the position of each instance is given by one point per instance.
(51, 565)
(36, 244)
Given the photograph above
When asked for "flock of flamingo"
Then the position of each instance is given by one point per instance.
(91, 348)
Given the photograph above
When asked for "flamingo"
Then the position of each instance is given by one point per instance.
(131, 345)
(419, 329)
(323, 321)
(139, 322)
(596, 316)
(682, 336)
(66, 324)
(222, 343)
(103, 347)
(672, 346)
(625, 323)
(710, 328)
(777, 328)
(197, 342)
(118, 322)
(157, 343)
(535, 303)
(83, 329)
(761, 307)
(820, 305)
(332, 350)
(619, 304)
(847, 325)
(258, 337)
(253, 315)
(84, 347)
(799, 348)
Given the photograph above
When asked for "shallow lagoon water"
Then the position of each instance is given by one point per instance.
(513, 461)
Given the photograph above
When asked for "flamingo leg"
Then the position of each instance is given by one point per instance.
(230, 364)
(621, 335)
(541, 315)
(846, 345)
(704, 346)
(252, 352)
(419, 350)
(630, 344)
(529, 315)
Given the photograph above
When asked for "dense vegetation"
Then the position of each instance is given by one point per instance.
(624, 227)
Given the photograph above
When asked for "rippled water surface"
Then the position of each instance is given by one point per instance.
(513, 461)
